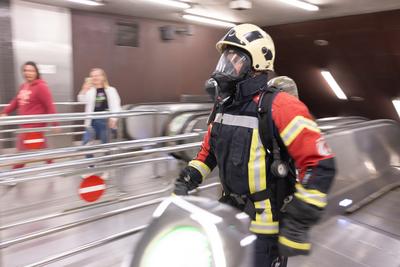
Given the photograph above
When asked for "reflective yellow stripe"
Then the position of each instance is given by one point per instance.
(266, 216)
(256, 164)
(250, 165)
(294, 128)
(201, 167)
(289, 243)
(311, 201)
(258, 182)
(314, 192)
(263, 175)
(260, 217)
(311, 196)
(264, 228)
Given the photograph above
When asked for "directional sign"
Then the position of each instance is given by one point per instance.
(92, 188)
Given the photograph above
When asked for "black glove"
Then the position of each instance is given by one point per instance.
(189, 179)
(297, 219)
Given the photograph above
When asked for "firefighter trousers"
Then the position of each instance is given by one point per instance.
(266, 252)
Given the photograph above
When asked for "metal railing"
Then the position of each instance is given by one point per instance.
(5, 176)
(11, 159)
(44, 129)
(56, 169)
(57, 229)
(64, 117)
(83, 208)
(100, 242)
(74, 171)
(61, 117)
(58, 104)
(88, 246)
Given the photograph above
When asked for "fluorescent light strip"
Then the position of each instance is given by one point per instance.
(333, 84)
(396, 104)
(171, 3)
(207, 14)
(209, 21)
(301, 4)
(86, 2)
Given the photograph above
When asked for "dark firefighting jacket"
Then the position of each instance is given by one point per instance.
(233, 143)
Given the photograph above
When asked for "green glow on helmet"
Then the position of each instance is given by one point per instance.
(182, 246)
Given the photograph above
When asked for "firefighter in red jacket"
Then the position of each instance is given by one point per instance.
(233, 144)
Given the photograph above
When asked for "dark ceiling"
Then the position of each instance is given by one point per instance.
(363, 55)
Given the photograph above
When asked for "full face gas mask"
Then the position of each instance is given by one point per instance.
(233, 66)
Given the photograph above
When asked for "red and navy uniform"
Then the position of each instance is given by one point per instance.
(233, 144)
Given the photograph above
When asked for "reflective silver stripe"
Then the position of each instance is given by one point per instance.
(237, 120)
(201, 167)
(264, 214)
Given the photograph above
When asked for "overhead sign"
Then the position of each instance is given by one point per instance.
(92, 188)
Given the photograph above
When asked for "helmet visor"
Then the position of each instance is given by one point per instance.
(233, 63)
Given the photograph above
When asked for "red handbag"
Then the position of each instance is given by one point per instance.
(34, 140)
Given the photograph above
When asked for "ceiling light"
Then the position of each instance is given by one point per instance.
(87, 2)
(334, 85)
(209, 21)
(240, 4)
(207, 14)
(357, 98)
(396, 104)
(171, 3)
(301, 4)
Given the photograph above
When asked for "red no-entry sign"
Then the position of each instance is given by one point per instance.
(92, 188)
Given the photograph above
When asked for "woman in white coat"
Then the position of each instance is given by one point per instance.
(99, 96)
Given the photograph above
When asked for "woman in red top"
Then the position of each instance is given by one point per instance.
(34, 97)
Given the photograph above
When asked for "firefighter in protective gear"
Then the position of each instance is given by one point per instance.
(233, 143)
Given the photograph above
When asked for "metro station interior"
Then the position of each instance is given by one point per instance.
(74, 195)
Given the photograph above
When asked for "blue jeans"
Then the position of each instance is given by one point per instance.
(99, 130)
